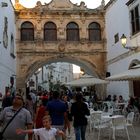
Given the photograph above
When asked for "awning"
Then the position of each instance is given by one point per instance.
(86, 80)
(131, 74)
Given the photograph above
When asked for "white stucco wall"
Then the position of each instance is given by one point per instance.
(118, 21)
(7, 63)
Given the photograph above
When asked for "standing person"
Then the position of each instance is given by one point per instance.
(57, 110)
(21, 120)
(7, 99)
(45, 133)
(29, 105)
(34, 99)
(68, 117)
(40, 113)
(79, 110)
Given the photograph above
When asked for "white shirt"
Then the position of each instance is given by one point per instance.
(45, 134)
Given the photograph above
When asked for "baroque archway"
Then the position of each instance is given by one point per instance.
(90, 54)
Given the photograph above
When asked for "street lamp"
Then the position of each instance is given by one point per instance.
(124, 41)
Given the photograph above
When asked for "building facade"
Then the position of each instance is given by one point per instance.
(123, 17)
(7, 45)
(51, 76)
(60, 31)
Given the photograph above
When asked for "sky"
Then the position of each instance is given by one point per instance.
(90, 3)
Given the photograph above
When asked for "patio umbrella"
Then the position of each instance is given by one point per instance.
(86, 80)
(131, 74)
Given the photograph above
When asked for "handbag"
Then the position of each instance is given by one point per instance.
(2, 132)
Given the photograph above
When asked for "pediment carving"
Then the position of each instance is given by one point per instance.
(62, 5)
(58, 4)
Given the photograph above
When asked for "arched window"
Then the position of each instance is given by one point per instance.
(50, 32)
(27, 31)
(72, 32)
(94, 30)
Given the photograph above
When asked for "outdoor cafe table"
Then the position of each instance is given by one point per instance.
(111, 116)
(97, 112)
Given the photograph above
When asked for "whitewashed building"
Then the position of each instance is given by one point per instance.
(123, 17)
(54, 73)
(7, 44)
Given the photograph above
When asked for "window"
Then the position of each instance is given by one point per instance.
(72, 32)
(135, 20)
(50, 32)
(116, 38)
(27, 31)
(12, 51)
(94, 32)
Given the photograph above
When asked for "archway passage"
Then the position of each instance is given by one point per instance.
(32, 66)
(86, 66)
(67, 33)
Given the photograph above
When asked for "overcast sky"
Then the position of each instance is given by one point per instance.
(90, 3)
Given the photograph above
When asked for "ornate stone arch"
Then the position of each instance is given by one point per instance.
(87, 66)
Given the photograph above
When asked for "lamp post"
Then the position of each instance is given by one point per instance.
(124, 41)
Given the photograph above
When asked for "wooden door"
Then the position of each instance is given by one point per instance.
(136, 88)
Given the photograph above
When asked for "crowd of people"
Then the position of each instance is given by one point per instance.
(52, 112)
(133, 104)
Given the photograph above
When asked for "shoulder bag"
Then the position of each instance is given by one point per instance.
(1, 133)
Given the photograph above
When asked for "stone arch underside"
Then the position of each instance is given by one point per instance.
(89, 68)
(84, 64)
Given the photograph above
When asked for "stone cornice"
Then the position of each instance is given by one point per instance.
(42, 12)
(122, 56)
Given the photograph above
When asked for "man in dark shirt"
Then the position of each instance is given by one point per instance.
(57, 110)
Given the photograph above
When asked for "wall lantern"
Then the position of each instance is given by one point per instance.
(124, 41)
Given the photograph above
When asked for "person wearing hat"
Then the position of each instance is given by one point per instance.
(22, 119)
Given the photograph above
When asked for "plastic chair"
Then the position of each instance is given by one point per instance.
(129, 119)
(104, 124)
(119, 124)
(94, 120)
(99, 123)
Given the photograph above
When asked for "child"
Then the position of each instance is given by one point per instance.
(46, 133)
